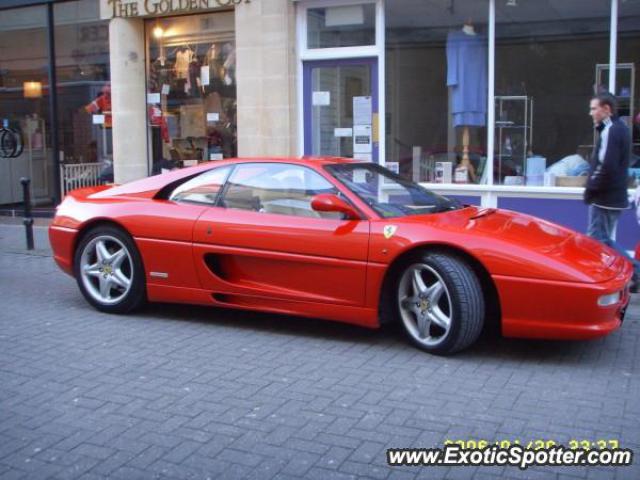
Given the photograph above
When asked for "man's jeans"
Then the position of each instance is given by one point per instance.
(602, 227)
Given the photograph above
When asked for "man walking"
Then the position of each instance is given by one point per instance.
(606, 191)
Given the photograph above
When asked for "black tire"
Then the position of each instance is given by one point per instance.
(465, 298)
(132, 298)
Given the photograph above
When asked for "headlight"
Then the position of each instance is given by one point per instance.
(610, 299)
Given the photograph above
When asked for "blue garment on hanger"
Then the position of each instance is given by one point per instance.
(467, 75)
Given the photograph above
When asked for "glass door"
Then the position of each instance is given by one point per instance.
(341, 108)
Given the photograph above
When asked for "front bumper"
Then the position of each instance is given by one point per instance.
(561, 310)
(62, 241)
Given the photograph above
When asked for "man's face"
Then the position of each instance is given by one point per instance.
(598, 112)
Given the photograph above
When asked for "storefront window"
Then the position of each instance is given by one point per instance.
(24, 106)
(551, 57)
(84, 93)
(191, 89)
(341, 26)
(436, 90)
(627, 89)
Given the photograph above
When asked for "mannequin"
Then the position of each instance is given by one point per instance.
(468, 27)
(467, 79)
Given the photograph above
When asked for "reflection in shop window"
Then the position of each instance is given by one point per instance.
(84, 94)
(436, 62)
(24, 106)
(191, 90)
(551, 57)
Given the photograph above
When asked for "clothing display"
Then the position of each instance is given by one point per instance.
(161, 72)
(183, 59)
(467, 77)
(192, 121)
(156, 119)
(102, 105)
(193, 87)
(194, 73)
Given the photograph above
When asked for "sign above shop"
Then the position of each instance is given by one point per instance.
(152, 8)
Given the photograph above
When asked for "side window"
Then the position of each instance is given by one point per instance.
(202, 189)
(277, 188)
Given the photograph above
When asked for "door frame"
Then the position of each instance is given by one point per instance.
(308, 67)
(305, 54)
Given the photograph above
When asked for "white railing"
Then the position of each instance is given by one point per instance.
(79, 175)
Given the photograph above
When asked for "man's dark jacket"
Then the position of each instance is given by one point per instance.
(607, 183)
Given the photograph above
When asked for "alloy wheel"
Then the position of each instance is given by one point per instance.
(107, 269)
(425, 304)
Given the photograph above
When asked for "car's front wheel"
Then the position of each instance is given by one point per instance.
(109, 270)
(440, 303)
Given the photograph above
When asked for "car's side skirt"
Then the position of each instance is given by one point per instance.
(362, 316)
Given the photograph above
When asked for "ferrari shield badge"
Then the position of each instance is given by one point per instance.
(389, 231)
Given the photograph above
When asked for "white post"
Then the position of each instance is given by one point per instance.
(489, 199)
(128, 99)
(613, 47)
(382, 106)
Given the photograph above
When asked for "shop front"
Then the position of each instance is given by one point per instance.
(140, 87)
(66, 45)
(484, 100)
(196, 81)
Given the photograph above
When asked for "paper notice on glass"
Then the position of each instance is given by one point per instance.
(393, 166)
(343, 132)
(366, 157)
(204, 75)
(362, 139)
(153, 98)
(215, 156)
(321, 99)
(213, 117)
(362, 111)
(360, 176)
(166, 88)
(98, 119)
(190, 163)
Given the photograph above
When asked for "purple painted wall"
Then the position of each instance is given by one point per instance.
(467, 199)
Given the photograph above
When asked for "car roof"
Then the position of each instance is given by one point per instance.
(149, 186)
(305, 160)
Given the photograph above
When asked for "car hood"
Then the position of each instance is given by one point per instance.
(516, 244)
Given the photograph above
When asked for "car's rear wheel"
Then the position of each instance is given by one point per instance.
(440, 303)
(109, 270)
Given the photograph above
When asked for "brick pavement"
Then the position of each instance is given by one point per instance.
(186, 392)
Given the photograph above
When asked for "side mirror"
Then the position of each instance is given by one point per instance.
(328, 202)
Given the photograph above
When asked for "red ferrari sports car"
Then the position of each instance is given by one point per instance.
(337, 239)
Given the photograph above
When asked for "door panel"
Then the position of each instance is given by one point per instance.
(282, 256)
(265, 239)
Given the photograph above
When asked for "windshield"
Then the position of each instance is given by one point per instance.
(387, 193)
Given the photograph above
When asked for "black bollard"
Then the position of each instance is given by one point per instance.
(28, 219)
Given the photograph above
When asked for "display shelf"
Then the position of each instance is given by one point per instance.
(514, 131)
